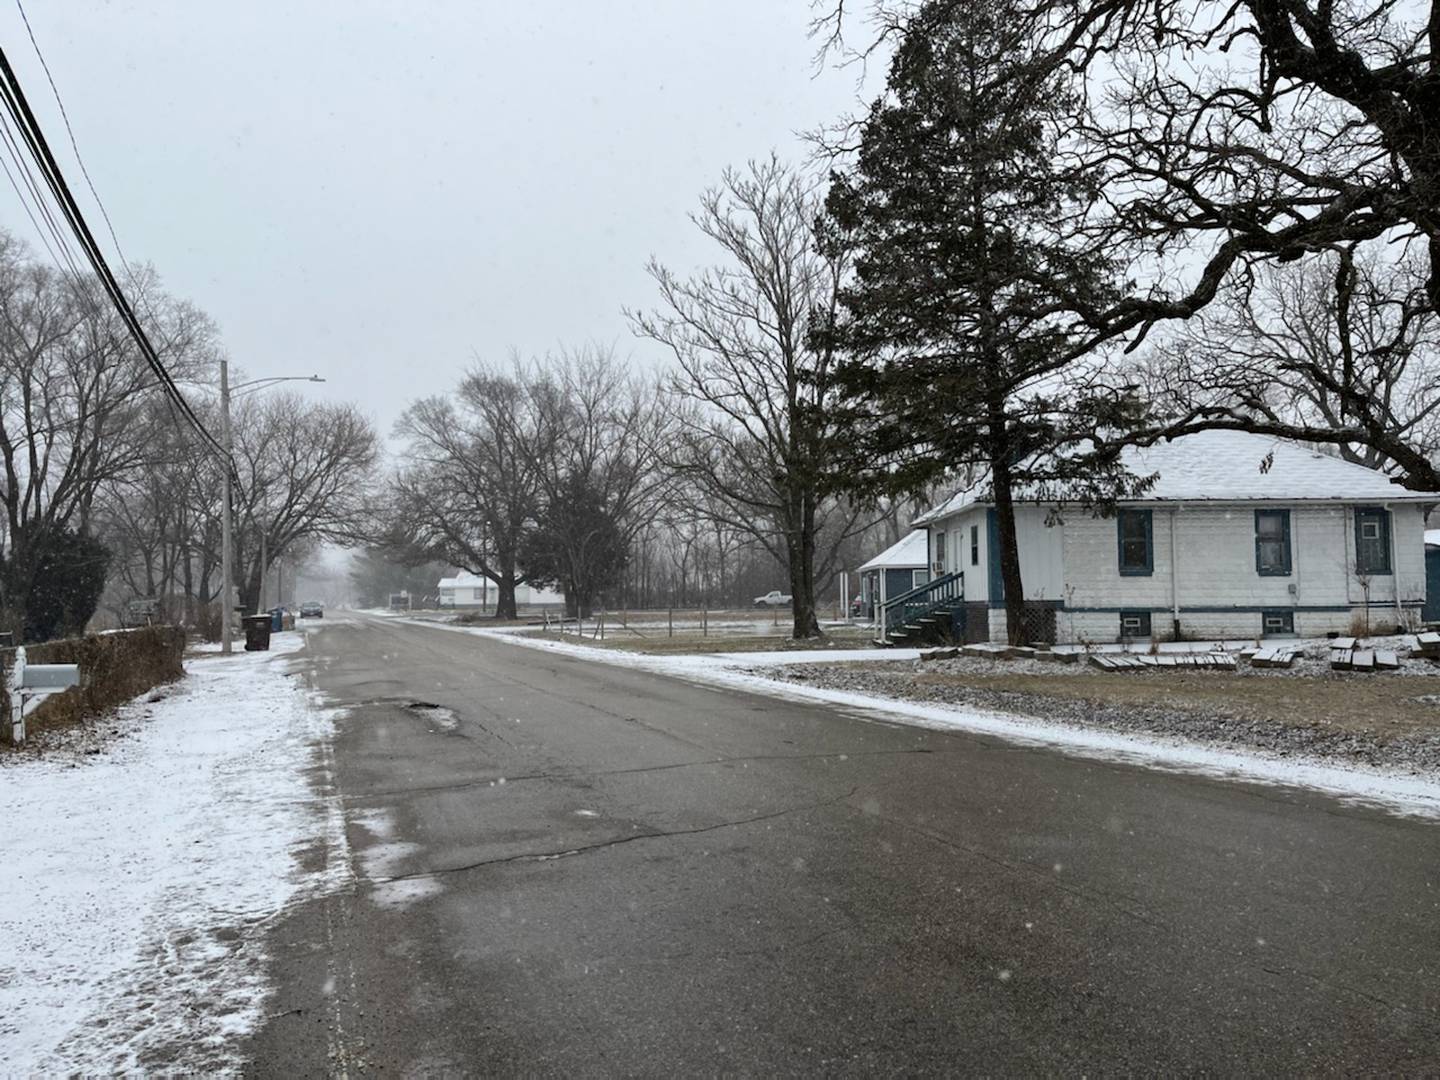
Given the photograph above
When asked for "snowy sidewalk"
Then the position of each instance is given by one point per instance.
(138, 880)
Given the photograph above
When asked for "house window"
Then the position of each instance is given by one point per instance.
(940, 551)
(918, 578)
(1277, 622)
(1272, 543)
(974, 545)
(1134, 624)
(1372, 540)
(1137, 542)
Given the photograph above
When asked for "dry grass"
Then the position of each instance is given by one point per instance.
(654, 641)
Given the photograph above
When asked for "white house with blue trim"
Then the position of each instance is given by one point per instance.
(1241, 536)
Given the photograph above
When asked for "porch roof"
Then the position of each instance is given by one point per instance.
(908, 553)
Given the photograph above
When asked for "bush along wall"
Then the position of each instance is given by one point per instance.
(114, 668)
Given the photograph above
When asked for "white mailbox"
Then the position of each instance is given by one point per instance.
(46, 677)
(32, 680)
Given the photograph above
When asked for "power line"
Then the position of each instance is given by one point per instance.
(65, 116)
(12, 96)
(49, 230)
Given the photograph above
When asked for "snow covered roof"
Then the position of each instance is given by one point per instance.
(1432, 537)
(909, 552)
(463, 580)
(1228, 466)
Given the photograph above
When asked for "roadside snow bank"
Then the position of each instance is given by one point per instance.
(1376, 788)
(138, 879)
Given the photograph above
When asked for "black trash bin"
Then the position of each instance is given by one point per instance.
(257, 633)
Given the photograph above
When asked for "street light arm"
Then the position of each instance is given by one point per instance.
(255, 384)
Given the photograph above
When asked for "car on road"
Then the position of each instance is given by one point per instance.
(311, 609)
(773, 598)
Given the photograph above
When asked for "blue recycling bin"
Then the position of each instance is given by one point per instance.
(277, 618)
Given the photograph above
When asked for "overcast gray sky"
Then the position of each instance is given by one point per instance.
(376, 191)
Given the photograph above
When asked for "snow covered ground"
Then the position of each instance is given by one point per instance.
(1375, 788)
(138, 879)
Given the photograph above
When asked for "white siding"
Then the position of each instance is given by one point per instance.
(1215, 582)
(1215, 569)
(1042, 553)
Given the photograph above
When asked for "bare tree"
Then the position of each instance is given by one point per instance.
(77, 406)
(754, 383)
(1340, 349)
(601, 478)
(470, 493)
(305, 472)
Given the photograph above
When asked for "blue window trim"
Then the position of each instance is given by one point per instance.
(1285, 569)
(1135, 571)
(1380, 514)
(992, 553)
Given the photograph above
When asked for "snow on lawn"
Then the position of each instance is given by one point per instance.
(138, 881)
(1402, 794)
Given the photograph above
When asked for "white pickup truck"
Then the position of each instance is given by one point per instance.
(773, 598)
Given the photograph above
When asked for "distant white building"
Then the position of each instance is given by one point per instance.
(467, 590)
(1242, 536)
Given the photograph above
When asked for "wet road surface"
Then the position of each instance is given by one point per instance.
(566, 867)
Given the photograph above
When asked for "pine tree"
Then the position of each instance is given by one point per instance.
(966, 227)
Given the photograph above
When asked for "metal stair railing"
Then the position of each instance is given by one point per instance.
(921, 601)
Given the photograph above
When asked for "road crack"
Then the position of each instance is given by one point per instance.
(584, 849)
(583, 774)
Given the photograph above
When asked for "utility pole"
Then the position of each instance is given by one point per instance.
(227, 570)
(227, 555)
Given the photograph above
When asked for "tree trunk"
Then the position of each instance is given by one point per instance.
(250, 590)
(1005, 535)
(505, 586)
(505, 596)
(800, 547)
(187, 582)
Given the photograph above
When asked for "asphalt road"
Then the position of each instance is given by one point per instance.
(587, 870)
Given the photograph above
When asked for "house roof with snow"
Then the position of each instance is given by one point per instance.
(1230, 466)
(463, 580)
(909, 553)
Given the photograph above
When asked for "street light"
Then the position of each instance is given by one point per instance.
(227, 559)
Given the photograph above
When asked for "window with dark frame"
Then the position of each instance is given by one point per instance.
(940, 550)
(974, 545)
(1372, 540)
(1272, 543)
(1134, 624)
(1135, 531)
